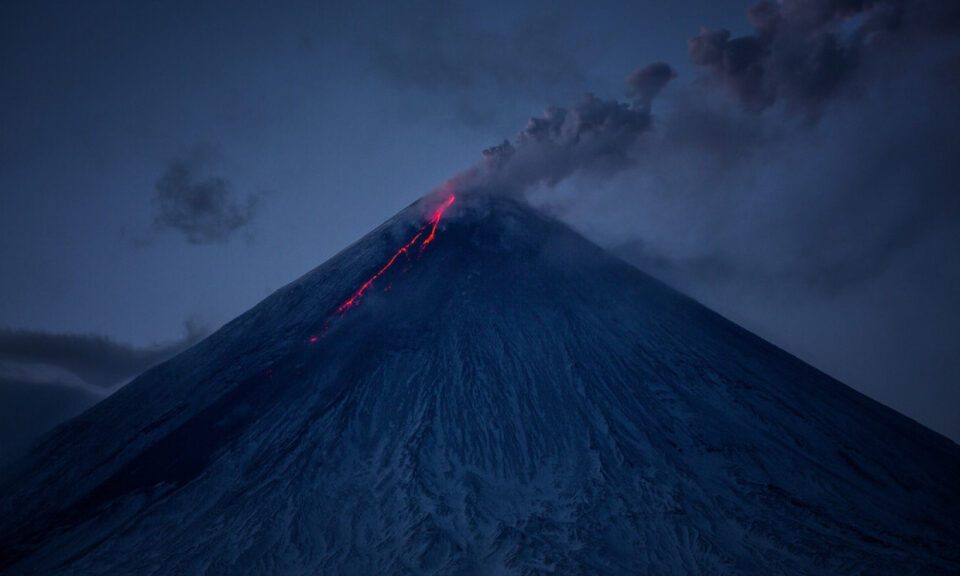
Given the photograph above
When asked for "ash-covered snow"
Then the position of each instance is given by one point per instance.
(513, 401)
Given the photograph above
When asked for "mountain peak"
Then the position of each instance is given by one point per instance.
(503, 398)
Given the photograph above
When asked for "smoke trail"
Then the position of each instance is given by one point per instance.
(594, 136)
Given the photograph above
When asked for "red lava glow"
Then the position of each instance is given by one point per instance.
(435, 219)
(432, 223)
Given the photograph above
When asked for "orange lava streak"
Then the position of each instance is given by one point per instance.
(433, 223)
(356, 296)
(436, 220)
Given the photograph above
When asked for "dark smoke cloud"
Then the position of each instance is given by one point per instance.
(734, 172)
(97, 360)
(805, 52)
(200, 207)
(597, 137)
(835, 203)
(646, 82)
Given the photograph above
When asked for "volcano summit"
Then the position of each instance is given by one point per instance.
(509, 399)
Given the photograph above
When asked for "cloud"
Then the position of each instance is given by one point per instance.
(724, 195)
(834, 208)
(647, 81)
(96, 360)
(836, 198)
(46, 378)
(744, 171)
(202, 208)
(805, 53)
(595, 136)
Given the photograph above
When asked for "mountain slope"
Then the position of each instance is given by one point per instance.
(508, 399)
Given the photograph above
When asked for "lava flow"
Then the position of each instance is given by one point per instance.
(435, 220)
(405, 250)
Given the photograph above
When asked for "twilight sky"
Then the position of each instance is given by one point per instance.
(166, 165)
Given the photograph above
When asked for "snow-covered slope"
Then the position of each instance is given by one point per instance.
(508, 400)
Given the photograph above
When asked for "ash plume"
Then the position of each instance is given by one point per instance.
(595, 136)
(805, 53)
(647, 81)
(844, 68)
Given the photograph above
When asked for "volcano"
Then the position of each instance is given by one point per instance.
(507, 398)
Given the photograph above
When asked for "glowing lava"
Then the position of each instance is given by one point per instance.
(405, 250)
(436, 220)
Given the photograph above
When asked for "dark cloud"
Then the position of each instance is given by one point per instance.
(46, 378)
(736, 175)
(804, 53)
(97, 360)
(836, 199)
(647, 81)
(835, 203)
(200, 207)
(595, 137)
